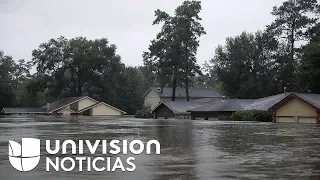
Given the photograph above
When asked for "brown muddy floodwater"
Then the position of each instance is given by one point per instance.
(189, 149)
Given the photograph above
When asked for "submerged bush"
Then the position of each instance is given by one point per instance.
(145, 113)
(252, 115)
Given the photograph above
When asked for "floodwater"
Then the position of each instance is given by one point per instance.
(189, 149)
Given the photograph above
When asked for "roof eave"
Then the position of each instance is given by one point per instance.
(290, 96)
(72, 103)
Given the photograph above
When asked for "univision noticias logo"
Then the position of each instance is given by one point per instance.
(26, 156)
(83, 154)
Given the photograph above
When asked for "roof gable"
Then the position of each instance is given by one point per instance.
(67, 109)
(311, 99)
(97, 104)
(61, 103)
(180, 107)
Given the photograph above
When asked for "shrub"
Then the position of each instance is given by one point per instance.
(145, 113)
(252, 115)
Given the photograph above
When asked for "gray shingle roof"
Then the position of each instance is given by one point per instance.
(62, 102)
(266, 102)
(23, 110)
(193, 92)
(258, 104)
(225, 105)
(181, 107)
(313, 99)
(56, 105)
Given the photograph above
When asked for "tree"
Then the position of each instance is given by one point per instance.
(77, 66)
(245, 65)
(173, 52)
(7, 69)
(133, 88)
(188, 32)
(293, 19)
(165, 56)
(80, 66)
(309, 71)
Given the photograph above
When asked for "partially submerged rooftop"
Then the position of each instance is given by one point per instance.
(181, 92)
(232, 105)
(23, 110)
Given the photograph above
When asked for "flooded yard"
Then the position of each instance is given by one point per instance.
(189, 149)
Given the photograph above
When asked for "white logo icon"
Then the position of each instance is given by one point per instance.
(26, 156)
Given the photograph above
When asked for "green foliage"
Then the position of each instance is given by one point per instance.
(172, 55)
(309, 72)
(264, 63)
(7, 97)
(245, 67)
(75, 66)
(293, 18)
(252, 115)
(144, 113)
(80, 66)
(12, 75)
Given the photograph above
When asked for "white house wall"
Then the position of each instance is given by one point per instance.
(151, 99)
(86, 102)
(104, 110)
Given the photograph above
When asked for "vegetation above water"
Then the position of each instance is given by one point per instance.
(252, 115)
(284, 54)
(144, 113)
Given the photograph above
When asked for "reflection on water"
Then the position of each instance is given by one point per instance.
(189, 149)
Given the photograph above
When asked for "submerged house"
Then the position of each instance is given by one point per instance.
(83, 105)
(154, 96)
(286, 107)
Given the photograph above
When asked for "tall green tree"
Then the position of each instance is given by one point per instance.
(293, 19)
(76, 66)
(189, 30)
(309, 71)
(244, 66)
(173, 52)
(12, 76)
(7, 67)
(80, 66)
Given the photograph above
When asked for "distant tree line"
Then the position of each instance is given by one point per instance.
(283, 56)
(68, 68)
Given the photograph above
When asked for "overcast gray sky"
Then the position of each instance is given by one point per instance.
(126, 23)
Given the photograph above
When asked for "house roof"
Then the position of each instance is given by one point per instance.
(181, 92)
(265, 103)
(224, 105)
(312, 99)
(64, 102)
(94, 105)
(70, 110)
(58, 106)
(23, 110)
(180, 107)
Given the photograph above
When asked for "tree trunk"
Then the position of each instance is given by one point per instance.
(292, 41)
(187, 79)
(79, 93)
(174, 85)
(187, 88)
(292, 48)
(187, 73)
